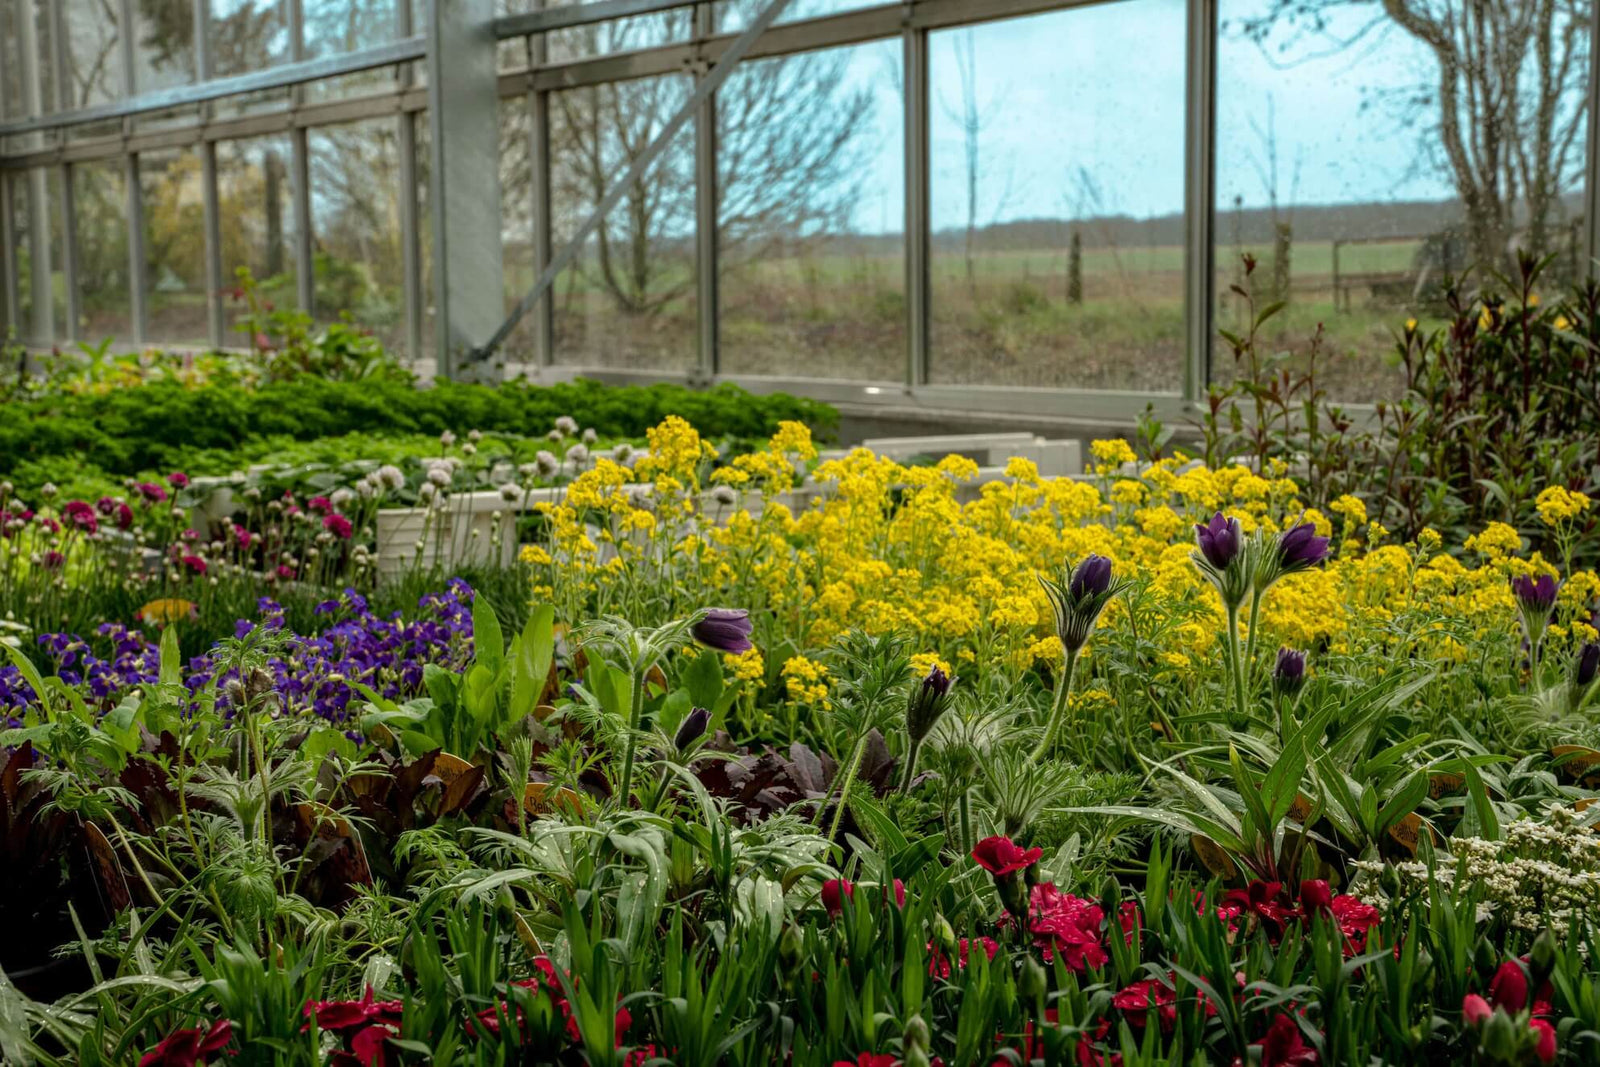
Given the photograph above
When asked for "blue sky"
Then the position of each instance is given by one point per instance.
(1098, 91)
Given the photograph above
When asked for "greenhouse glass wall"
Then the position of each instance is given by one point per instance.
(1013, 206)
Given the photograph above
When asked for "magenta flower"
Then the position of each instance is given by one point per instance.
(81, 515)
(194, 565)
(178, 480)
(339, 526)
(52, 560)
(152, 492)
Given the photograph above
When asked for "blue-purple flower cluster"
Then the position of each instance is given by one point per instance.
(312, 673)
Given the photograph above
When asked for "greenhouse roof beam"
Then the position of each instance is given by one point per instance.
(561, 18)
(284, 75)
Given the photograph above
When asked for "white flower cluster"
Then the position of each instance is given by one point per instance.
(1542, 873)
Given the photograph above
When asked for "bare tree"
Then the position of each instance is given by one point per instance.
(1504, 106)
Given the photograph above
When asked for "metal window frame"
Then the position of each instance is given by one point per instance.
(43, 146)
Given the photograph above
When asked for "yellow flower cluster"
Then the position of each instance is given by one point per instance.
(1557, 505)
(925, 551)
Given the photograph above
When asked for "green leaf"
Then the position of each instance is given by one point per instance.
(31, 675)
(531, 654)
(171, 671)
(1404, 801)
(1479, 820)
(488, 643)
(702, 677)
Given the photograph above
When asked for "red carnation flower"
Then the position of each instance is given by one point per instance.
(349, 1014)
(189, 1047)
(1283, 1045)
(339, 526)
(1000, 856)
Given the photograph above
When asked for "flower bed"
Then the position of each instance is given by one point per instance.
(1153, 766)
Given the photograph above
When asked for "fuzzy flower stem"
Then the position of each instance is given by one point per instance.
(912, 753)
(1058, 711)
(1250, 646)
(966, 822)
(635, 713)
(850, 771)
(1233, 659)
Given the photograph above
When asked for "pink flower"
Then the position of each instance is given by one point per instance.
(1475, 1010)
(1135, 1000)
(1065, 925)
(178, 480)
(263, 342)
(351, 1014)
(241, 535)
(899, 893)
(939, 964)
(834, 891)
(1509, 987)
(152, 492)
(124, 516)
(194, 565)
(105, 505)
(52, 560)
(339, 526)
(1546, 1049)
(285, 572)
(320, 504)
(1284, 1047)
(1261, 899)
(1355, 918)
(189, 1047)
(868, 1059)
(1000, 856)
(81, 515)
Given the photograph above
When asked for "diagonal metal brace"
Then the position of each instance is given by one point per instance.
(703, 89)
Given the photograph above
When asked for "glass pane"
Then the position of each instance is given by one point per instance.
(630, 299)
(430, 318)
(333, 26)
(811, 168)
(248, 35)
(12, 104)
(100, 203)
(163, 44)
(355, 217)
(257, 217)
(93, 43)
(516, 220)
(735, 15)
(171, 184)
(1340, 172)
(23, 250)
(1057, 200)
(618, 35)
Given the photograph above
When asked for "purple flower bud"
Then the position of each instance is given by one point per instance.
(1299, 547)
(927, 703)
(1220, 540)
(724, 630)
(1290, 673)
(1537, 595)
(1588, 664)
(1092, 577)
(692, 728)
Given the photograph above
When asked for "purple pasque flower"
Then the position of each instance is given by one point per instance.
(1289, 674)
(1536, 595)
(724, 630)
(1092, 577)
(927, 702)
(1586, 664)
(692, 728)
(1300, 548)
(1078, 600)
(1220, 540)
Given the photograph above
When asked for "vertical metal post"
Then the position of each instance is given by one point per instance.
(9, 237)
(705, 212)
(539, 164)
(1199, 197)
(42, 329)
(300, 164)
(208, 182)
(410, 211)
(914, 47)
(65, 99)
(1591, 184)
(69, 251)
(138, 266)
(463, 103)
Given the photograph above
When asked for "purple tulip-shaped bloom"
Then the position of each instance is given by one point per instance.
(1290, 673)
(927, 703)
(1090, 578)
(1220, 540)
(692, 728)
(724, 630)
(1300, 547)
(1588, 664)
(1537, 595)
